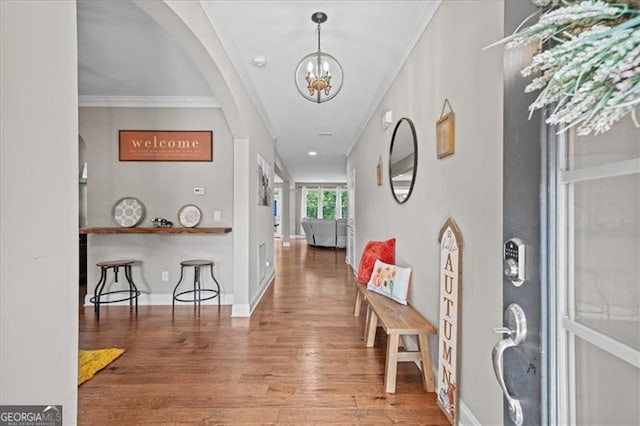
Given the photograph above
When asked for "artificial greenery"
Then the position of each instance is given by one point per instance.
(589, 63)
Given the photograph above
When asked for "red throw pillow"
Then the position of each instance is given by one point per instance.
(385, 251)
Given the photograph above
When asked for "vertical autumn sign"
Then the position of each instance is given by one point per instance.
(449, 321)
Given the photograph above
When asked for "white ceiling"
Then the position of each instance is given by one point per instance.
(122, 52)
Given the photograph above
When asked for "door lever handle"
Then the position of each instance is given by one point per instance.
(516, 332)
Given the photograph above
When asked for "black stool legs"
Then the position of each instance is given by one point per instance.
(197, 290)
(99, 294)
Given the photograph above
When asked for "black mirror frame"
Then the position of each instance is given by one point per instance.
(415, 158)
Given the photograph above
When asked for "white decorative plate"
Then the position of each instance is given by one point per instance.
(189, 216)
(128, 212)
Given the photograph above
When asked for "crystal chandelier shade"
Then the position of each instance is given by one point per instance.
(319, 75)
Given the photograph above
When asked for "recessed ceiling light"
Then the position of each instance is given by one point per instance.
(313, 153)
(259, 61)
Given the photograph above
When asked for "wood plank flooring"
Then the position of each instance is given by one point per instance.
(300, 359)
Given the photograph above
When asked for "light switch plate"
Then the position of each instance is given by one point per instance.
(216, 215)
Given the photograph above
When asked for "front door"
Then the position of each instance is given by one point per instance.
(517, 357)
(570, 348)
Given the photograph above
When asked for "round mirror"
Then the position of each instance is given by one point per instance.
(403, 160)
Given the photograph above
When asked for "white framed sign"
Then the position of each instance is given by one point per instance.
(449, 320)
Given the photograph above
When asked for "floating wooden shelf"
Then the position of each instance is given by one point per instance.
(150, 230)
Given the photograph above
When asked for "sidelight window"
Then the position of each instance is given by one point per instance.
(598, 289)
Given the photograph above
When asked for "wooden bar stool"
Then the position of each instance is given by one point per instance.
(100, 296)
(197, 291)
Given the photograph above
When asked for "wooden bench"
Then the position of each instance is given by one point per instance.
(397, 321)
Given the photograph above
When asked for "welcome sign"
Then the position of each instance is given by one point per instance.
(165, 145)
(449, 321)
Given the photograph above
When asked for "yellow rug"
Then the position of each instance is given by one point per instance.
(90, 362)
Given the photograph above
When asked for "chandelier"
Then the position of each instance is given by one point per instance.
(319, 75)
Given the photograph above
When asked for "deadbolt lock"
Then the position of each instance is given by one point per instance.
(514, 261)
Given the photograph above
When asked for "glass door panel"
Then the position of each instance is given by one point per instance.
(607, 256)
(598, 284)
(607, 388)
(620, 143)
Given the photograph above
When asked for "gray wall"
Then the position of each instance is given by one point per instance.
(163, 187)
(447, 62)
(261, 217)
(39, 205)
(189, 24)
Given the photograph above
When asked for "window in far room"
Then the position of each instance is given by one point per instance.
(344, 205)
(310, 207)
(324, 203)
(329, 204)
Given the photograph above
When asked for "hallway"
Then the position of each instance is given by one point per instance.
(300, 359)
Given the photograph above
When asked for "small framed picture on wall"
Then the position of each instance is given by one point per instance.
(265, 190)
(445, 135)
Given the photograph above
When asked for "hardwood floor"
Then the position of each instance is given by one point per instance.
(300, 359)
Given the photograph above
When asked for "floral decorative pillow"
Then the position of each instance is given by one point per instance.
(391, 281)
(375, 250)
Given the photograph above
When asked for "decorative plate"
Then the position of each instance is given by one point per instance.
(189, 216)
(128, 212)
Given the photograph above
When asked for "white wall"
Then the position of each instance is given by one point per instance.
(39, 205)
(447, 62)
(163, 187)
(287, 202)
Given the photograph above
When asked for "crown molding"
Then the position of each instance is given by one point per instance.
(418, 27)
(241, 70)
(148, 101)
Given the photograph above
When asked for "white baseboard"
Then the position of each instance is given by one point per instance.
(466, 417)
(160, 299)
(240, 310)
(245, 310)
(258, 297)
